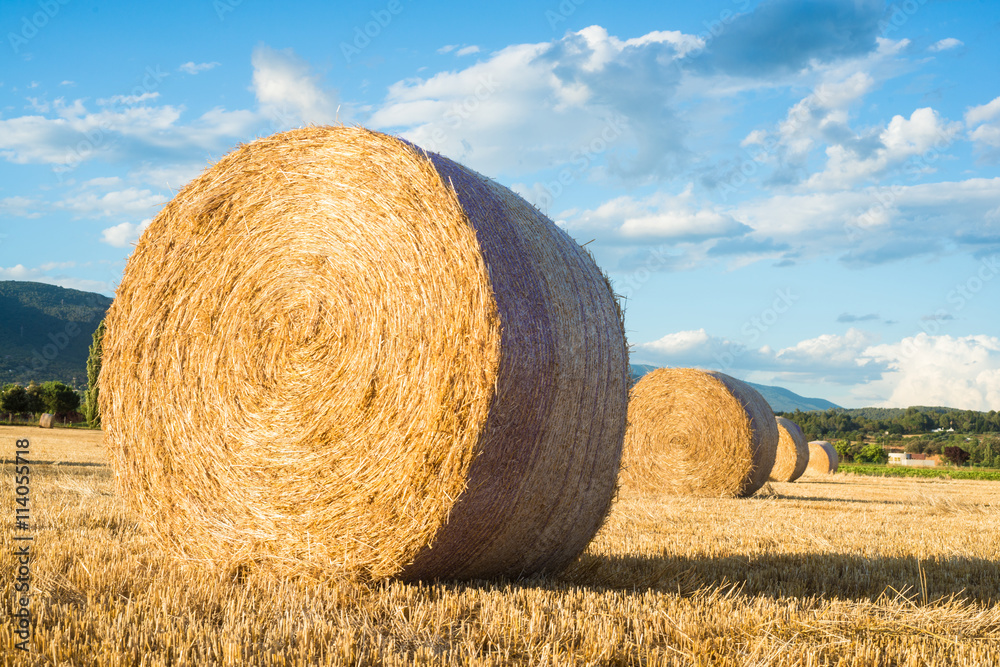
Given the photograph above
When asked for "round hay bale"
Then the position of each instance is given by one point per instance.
(823, 458)
(334, 352)
(48, 420)
(693, 432)
(792, 456)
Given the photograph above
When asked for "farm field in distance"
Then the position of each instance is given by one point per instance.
(835, 570)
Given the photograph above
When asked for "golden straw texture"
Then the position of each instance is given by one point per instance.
(823, 458)
(334, 352)
(792, 456)
(693, 432)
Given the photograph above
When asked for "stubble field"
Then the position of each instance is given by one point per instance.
(839, 570)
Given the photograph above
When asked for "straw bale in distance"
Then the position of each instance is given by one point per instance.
(792, 456)
(823, 458)
(48, 420)
(335, 352)
(694, 432)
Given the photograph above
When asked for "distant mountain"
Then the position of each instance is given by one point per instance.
(45, 332)
(638, 370)
(779, 398)
(783, 400)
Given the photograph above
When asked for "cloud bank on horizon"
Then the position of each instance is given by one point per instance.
(797, 193)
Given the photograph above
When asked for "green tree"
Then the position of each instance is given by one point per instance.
(60, 398)
(990, 451)
(14, 399)
(993, 421)
(872, 453)
(36, 398)
(93, 409)
(846, 451)
(916, 421)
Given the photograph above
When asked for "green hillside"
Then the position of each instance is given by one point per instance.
(783, 400)
(779, 398)
(45, 332)
(891, 413)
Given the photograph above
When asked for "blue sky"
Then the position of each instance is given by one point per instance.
(796, 193)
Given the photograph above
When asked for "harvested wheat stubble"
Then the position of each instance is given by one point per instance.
(335, 353)
(693, 432)
(823, 458)
(792, 456)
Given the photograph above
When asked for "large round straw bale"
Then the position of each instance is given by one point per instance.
(823, 458)
(792, 456)
(48, 420)
(694, 432)
(333, 350)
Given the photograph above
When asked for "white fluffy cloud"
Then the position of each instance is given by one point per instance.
(558, 98)
(698, 349)
(946, 43)
(470, 114)
(822, 118)
(821, 126)
(986, 135)
(902, 139)
(21, 207)
(812, 119)
(42, 274)
(196, 68)
(982, 113)
(959, 372)
(830, 355)
(122, 128)
(119, 202)
(879, 223)
(984, 127)
(660, 217)
(459, 50)
(288, 91)
(128, 100)
(859, 226)
(167, 176)
(20, 272)
(826, 358)
(124, 234)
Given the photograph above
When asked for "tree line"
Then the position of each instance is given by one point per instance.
(57, 397)
(961, 437)
(843, 425)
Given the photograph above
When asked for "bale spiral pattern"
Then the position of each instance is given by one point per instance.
(693, 432)
(333, 350)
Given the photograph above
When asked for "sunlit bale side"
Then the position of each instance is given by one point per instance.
(333, 351)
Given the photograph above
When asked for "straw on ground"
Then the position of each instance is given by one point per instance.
(838, 570)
